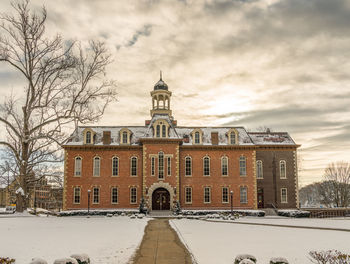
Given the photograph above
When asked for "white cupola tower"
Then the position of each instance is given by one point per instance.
(160, 98)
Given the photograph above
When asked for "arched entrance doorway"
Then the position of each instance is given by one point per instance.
(160, 199)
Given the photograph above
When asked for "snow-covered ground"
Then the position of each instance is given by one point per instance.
(105, 239)
(213, 242)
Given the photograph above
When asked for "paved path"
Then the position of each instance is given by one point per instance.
(161, 245)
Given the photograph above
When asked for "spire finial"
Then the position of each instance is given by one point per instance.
(161, 75)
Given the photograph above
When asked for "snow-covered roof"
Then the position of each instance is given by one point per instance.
(271, 138)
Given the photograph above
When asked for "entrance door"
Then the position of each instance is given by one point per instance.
(260, 198)
(161, 199)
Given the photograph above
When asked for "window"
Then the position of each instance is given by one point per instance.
(232, 138)
(207, 195)
(283, 174)
(225, 195)
(115, 166)
(161, 165)
(77, 166)
(133, 166)
(284, 195)
(88, 137)
(188, 195)
(243, 195)
(77, 195)
(125, 137)
(188, 166)
(169, 166)
(259, 169)
(96, 195)
(163, 131)
(96, 166)
(114, 195)
(133, 195)
(242, 166)
(206, 166)
(158, 130)
(197, 138)
(153, 164)
(224, 165)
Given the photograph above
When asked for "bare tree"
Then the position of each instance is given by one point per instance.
(64, 85)
(338, 177)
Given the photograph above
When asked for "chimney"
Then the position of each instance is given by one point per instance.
(214, 138)
(106, 138)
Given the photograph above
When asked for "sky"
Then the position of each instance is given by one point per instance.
(282, 64)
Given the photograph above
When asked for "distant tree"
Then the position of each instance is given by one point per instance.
(64, 85)
(338, 177)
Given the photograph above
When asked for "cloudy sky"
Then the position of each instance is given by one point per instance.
(283, 64)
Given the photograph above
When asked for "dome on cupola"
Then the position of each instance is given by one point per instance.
(160, 85)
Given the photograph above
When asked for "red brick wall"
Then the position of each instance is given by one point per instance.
(216, 181)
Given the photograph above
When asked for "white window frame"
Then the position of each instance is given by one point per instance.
(190, 169)
(131, 166)
(243, 196)
(88, 137)
(77, 173)
(113, 159)
(188, 190)
(98, 195)
(242, 169)
(204, 166)
(168, 165)
(96, 166)
(284, 198)
(205, 194)
(133, 195)
(74, 195)
(233, 138)
(161, 165)
(227, 195)
(259, 169)
(224, 159)
(283, 174)
(112, 189)
(197, 137)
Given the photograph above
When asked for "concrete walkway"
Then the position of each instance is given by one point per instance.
(161, 245)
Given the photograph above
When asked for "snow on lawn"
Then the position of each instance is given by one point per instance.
(212, 242)
(105, 239)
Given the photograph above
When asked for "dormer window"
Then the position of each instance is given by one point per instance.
(161, 129)
(88, 136)
(232, 137)
(125, 135)
(197, 136)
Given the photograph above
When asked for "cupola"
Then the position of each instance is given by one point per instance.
(161, 98)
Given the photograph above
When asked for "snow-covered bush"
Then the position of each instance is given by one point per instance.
(329, 257)
(177, 208)
(293, 213)
(81, 258)
(66, 261)
(259, 213)
(7, 260)
(239, 258)
(278, 261)
(246, 261)
(38, 261)
(98, 212)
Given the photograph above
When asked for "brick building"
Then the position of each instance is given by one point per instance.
(201, 167)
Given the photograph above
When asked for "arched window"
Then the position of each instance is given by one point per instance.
(188, 166)
(115, 166)
(206, 166)
(125, 137)
(88, 137)
(242, 166)
(158, 130)
(163, 131)
(197, 139)
(161, 165)
(224, 166)
(133, 166)
(232, 138)
(283, 174)
(259, 169)
(77, 166)
(96, 166)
